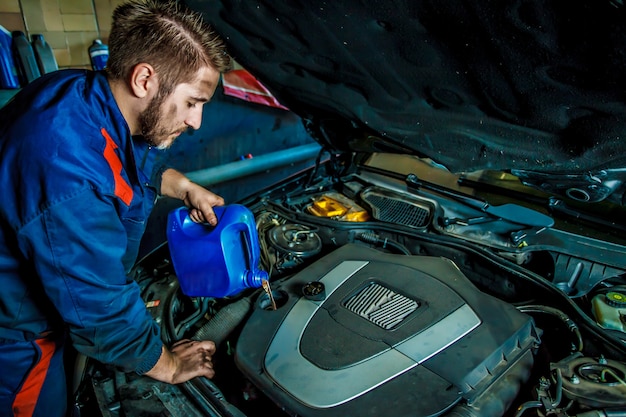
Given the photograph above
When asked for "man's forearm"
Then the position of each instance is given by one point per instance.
(174, 184)
(163, 370)
(199, 200)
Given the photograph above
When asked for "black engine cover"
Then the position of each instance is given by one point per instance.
(390, 335)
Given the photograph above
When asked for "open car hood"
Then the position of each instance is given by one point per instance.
(374, 282)
(528, 86)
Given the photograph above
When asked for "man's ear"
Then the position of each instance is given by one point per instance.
(143, 81)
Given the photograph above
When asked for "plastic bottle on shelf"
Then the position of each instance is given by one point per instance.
(98, 54)
(25, 58)
(43, 54)
(8, 71)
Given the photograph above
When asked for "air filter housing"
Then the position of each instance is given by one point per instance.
(391, 207)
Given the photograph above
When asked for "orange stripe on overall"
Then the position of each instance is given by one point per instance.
(122, 189)
(26, 400)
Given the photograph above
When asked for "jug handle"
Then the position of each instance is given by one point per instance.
(252, 243)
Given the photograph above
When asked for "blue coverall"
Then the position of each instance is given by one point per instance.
(77, 190)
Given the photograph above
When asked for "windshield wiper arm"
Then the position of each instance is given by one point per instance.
(513, 213)
(559, 206)
(553, 204)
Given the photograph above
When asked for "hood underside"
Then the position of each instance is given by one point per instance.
(528, 85)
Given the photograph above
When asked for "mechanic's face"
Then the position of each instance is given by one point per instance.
(166, 118)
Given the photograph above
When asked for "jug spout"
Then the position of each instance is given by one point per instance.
(255, 278)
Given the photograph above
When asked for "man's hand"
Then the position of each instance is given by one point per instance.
(199, 200)
(185, 360)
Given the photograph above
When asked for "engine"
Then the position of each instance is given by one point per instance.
(361, 332)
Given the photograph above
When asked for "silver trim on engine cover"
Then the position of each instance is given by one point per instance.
(324, 388)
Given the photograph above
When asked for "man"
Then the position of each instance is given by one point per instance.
(78, 183)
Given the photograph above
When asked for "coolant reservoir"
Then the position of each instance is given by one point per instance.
(215, 261)
(610, 310)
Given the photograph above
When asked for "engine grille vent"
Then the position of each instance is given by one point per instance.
(395, 208)
(381, 306)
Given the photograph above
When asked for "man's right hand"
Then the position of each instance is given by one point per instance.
(186, 359)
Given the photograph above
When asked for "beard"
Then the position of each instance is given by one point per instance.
(151, 122)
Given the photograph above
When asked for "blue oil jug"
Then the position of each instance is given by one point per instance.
(215, 261)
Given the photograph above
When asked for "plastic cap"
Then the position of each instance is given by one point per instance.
(255, 278)
(616, 299)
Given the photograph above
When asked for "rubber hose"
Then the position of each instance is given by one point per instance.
(607, 412)
(527, 406)
(571, 325)
(373, 238)
(224, 322)
(615, 412)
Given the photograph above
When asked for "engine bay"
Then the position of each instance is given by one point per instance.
(386, 298)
